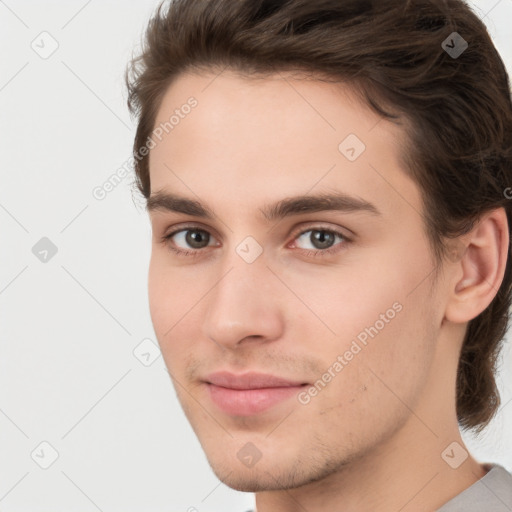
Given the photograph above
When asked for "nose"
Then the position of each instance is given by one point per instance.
(244, 306)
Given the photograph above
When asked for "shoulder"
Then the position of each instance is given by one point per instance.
(493, 493)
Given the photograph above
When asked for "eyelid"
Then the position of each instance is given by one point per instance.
(191, 226)
(319, 226)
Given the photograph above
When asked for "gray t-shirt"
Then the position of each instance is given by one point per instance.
(492, 493)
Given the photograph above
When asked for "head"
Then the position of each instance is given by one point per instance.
(243, 108)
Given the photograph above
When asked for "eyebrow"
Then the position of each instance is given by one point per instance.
(284, 208)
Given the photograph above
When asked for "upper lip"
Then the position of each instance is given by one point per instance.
(250, 380)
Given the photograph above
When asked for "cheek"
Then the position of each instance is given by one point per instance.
(171, 290)
(160, 301)
(396, 357)
(174, 295)
(168, 299)
(380, 380)
(346, 299)
(381, 318)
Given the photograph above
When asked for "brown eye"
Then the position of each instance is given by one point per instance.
(319, 239)
(197, 239)
(189, 240)
(322, 239)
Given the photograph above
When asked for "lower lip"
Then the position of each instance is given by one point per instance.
(247, 402)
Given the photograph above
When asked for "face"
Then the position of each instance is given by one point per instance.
(334, 297)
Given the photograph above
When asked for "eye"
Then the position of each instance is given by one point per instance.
(320, 240)
(188, 241)
(317, 241)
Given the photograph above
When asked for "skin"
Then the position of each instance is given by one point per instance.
(372, 438)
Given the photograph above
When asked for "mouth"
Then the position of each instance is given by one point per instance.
(250, 393)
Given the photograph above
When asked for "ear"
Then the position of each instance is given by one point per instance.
(480, 270)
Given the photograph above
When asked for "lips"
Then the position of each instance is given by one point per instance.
(250, 393)
(251, 380)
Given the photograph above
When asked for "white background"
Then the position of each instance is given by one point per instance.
(68, 327)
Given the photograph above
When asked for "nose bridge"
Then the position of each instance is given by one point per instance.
(241, 303)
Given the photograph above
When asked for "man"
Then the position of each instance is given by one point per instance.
(330, 275)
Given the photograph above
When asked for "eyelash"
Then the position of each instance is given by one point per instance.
(307, 252)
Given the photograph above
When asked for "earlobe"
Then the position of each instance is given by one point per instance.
(480, 270)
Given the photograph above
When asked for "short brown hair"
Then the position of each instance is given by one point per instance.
(459, 110)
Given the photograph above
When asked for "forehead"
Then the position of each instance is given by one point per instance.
(257, 137)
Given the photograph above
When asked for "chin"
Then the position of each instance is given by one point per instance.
(246, 482)
(256, 479)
